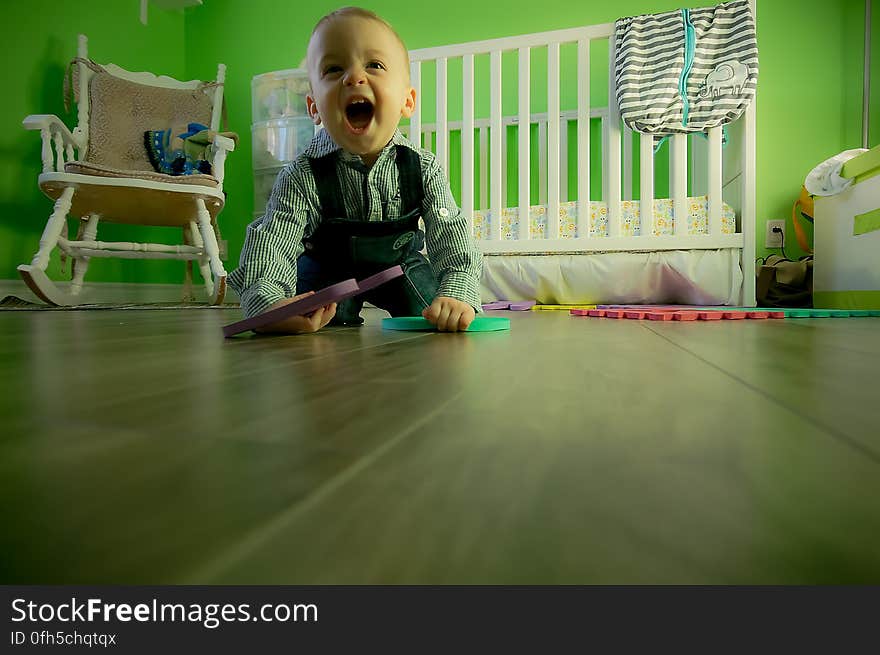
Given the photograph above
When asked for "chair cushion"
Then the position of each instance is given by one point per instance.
(120, 111)
(88, 168)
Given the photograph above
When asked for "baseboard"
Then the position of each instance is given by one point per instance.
(112, 292)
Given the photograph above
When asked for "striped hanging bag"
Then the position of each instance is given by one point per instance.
(687, 70)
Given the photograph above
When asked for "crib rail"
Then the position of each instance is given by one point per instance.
(483, 128)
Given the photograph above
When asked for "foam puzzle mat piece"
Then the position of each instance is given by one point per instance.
(558, 308)
(334, 293)
(498, 304)
(421, 324)
(716, 313)
(370, 283)
(522, 306)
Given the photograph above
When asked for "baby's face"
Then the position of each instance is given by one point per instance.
(360, 84)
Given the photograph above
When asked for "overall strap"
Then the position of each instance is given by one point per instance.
(409, 168)
(329, 191)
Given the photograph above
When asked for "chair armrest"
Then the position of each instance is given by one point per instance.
(54, 133)
(223, 143)
(219, 148)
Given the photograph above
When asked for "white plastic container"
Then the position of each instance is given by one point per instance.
(279, 141)
(279, 94)
(263, 182)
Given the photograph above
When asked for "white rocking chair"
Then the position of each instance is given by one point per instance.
(101, 172)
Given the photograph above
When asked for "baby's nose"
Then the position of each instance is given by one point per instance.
(356, 76)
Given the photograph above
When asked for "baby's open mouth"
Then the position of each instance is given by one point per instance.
(359, 113)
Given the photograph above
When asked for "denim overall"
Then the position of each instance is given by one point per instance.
(342, 248)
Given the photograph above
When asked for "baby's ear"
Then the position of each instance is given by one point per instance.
(313, 110)
(409, 103)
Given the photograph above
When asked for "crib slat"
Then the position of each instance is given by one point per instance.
(612, 155)
(627, 164)
(553, 141)
(583, 137)
(646, 185)
(714, 193)
(523, 132)
(496, 167)
(542, 162)
(678, 185)
(442, 133)
(504, 202)
(563, 161)
(415, 121)
(467, 139)
(484, 168)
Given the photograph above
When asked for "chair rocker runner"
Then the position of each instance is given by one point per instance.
(101, 172)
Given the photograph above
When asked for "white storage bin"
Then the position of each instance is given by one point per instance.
(846, 270)
(263, 182)
(279, 94)
(280, 141)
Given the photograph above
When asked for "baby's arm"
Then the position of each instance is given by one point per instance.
(266, 276)
(456, 260)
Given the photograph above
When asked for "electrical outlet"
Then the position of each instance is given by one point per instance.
(774, 239)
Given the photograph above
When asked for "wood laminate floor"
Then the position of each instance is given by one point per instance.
(142, 447)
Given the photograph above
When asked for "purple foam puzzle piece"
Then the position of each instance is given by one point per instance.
(334, 293)
(369, 283)
(522, 305)
(498, 304)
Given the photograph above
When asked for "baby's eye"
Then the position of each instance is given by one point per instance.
(330, 70)
(376, 64)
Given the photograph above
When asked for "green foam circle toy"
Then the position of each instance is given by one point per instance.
(417, 323)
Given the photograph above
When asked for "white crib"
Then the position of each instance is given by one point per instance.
(563, 244)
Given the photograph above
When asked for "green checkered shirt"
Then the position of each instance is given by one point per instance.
(267, 268)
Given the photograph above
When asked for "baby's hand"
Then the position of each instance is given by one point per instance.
(299, 324)
(449, 314)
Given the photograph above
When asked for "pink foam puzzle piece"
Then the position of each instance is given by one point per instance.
(757, 315)
(685, 316)
(580, 312)
(597, 313)
(334, 293)
(734, 316)
(634, 314)
(659, 316)
(615, 313)
(710, 316)
(776, 314)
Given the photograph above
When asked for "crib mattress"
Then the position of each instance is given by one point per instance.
(664, 220)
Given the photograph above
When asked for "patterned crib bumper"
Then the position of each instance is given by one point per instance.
(664, 219)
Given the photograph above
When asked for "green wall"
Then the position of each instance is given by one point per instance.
(809, 100)
(41, 38)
